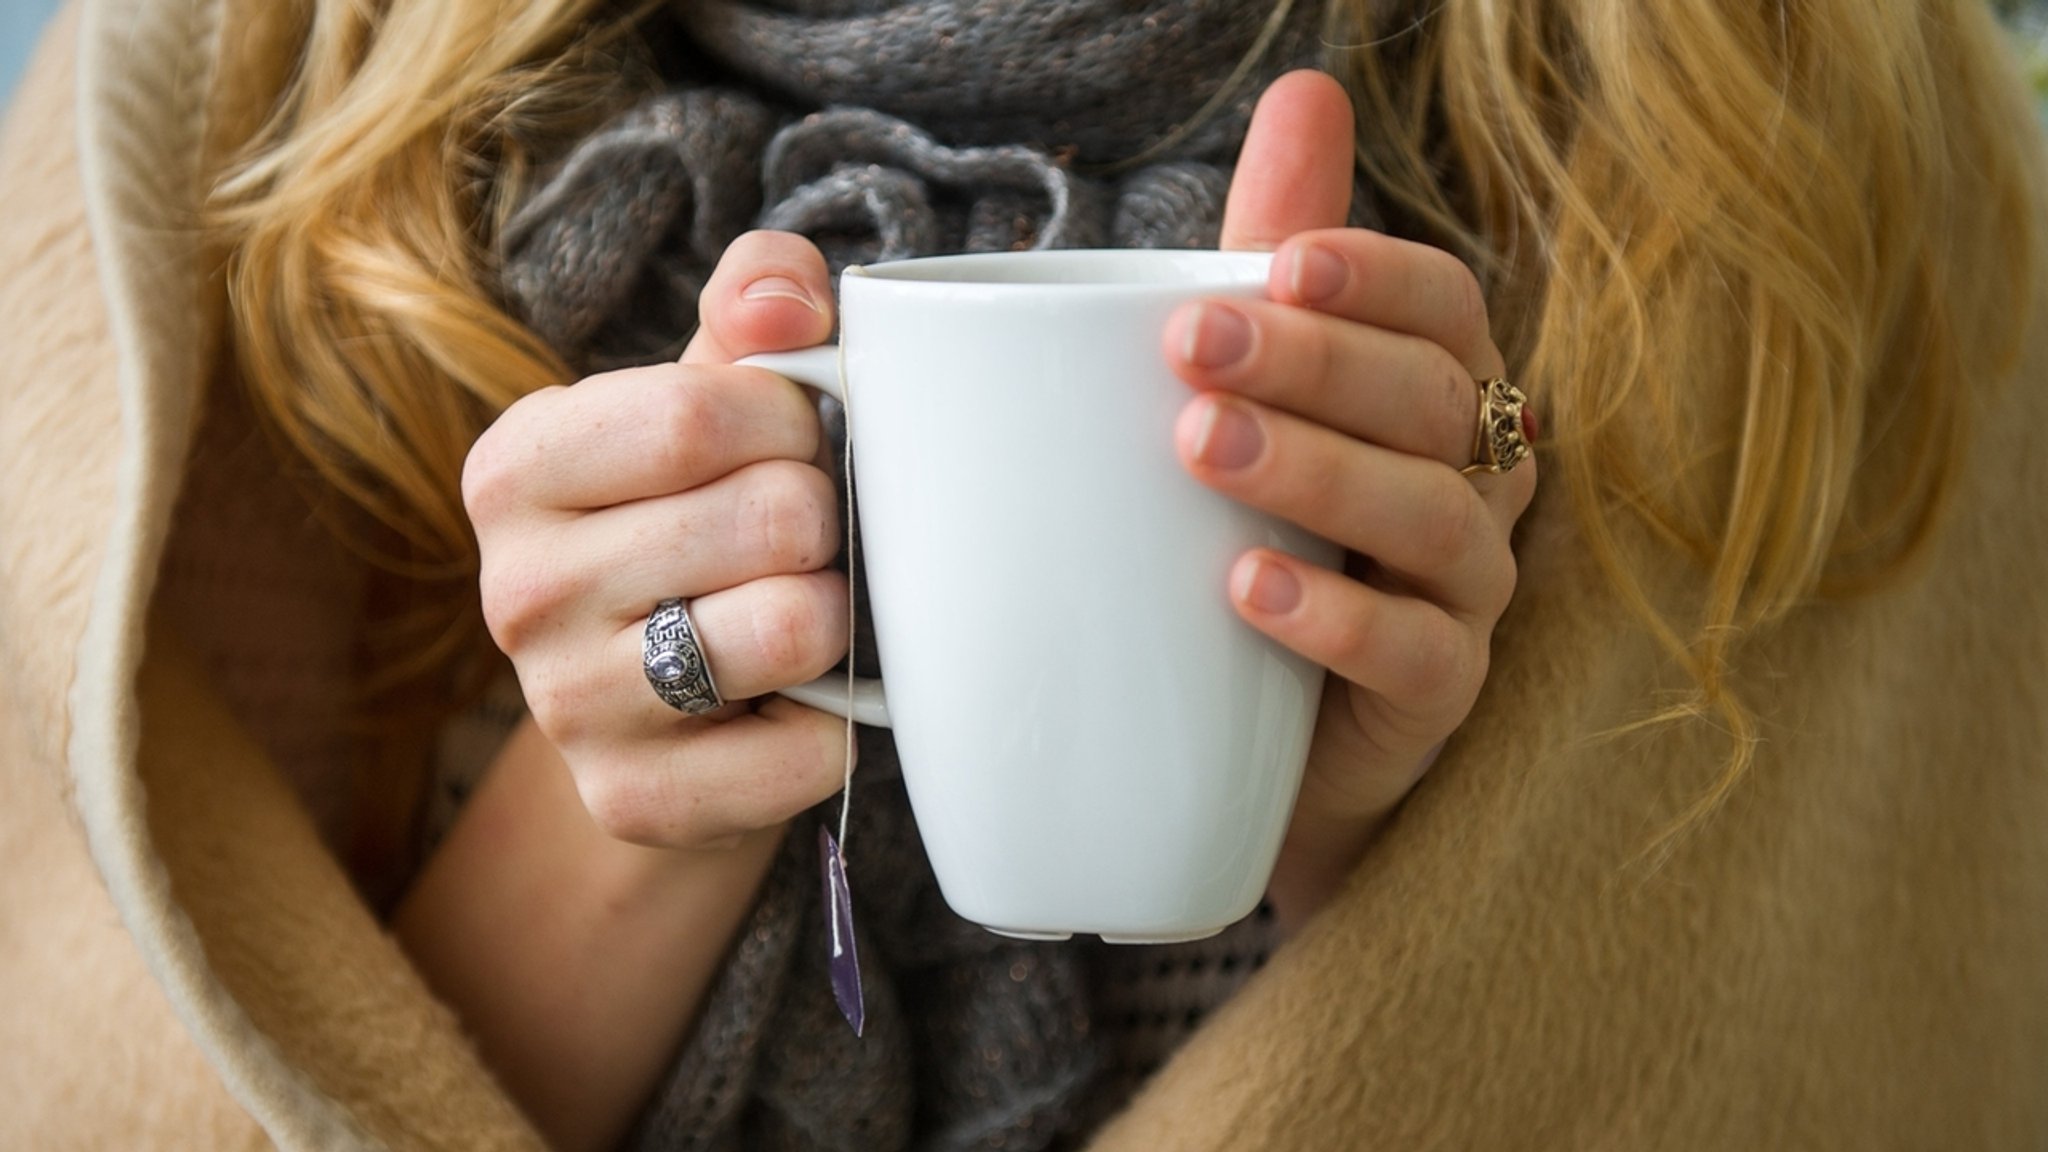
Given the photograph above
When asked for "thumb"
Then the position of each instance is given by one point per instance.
(769, 293)
(1294, 171)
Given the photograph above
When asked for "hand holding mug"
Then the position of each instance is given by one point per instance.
(699, 480)
(1347, 404)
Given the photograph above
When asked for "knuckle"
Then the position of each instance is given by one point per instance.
(486, 479)
(690, 418)
(686, 408)
(804, 767)
(1501, 592)
(623, 803)
(1353, 639)
(796, 428)
(557, 701)
(791, 515)
(1451, 508)
(492, 469)
(1468, 300)
(789, 630)
(1299, 479)
(1522, 483)
(504, 613)
(1438, 668)
(827, 750)
(521, 591)
(1458, 400)
(1324, 359)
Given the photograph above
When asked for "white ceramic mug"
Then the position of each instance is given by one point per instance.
(1092, 739)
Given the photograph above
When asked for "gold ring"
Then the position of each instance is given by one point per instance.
(1506, 426)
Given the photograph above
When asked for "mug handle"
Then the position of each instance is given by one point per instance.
(819, 368)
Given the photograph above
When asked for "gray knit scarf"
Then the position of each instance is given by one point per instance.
(885, 129)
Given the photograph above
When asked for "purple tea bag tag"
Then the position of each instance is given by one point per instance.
(845, 962)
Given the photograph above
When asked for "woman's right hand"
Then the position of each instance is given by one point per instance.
(697, 479)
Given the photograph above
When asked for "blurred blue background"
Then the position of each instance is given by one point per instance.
(20, 23)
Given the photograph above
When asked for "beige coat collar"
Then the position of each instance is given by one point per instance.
(145, 72)
(262, 960)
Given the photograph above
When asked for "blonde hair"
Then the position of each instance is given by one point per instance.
(1758, 259)
(1753, 261)
(358, 224)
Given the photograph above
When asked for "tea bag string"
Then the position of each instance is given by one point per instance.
(844, 962)
(852, 597)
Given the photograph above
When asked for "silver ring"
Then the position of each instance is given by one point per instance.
(674, 661)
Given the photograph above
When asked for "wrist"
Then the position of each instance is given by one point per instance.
(576, 960)
(631, 878)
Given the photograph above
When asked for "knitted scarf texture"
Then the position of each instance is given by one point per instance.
(884, 129)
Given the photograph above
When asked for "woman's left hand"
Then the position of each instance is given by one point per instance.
(1347, 403)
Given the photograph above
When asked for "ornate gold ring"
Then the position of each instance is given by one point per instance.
(1506, 426)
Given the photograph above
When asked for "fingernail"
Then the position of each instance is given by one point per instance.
(1219, 337)
(1270, 589)
(1318, 274)
(1230, 437)
(778, 288)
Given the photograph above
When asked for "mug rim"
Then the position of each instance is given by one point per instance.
(1210, 269)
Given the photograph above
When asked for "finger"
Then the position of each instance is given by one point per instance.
(756, 638)
(771, 518)
(709, 781)
(1507, 494)
(1416, 518)
(1295, 169)
(765, 634)
(634, 434)
(1389, 283)
(1389, 388)
(770, 293)
(1425, 664)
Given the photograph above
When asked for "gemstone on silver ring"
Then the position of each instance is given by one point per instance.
(673, 660)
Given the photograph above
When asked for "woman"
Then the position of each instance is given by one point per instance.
(1724, 851)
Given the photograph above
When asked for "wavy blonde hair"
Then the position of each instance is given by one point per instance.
(358, 224)
(1755, 260)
